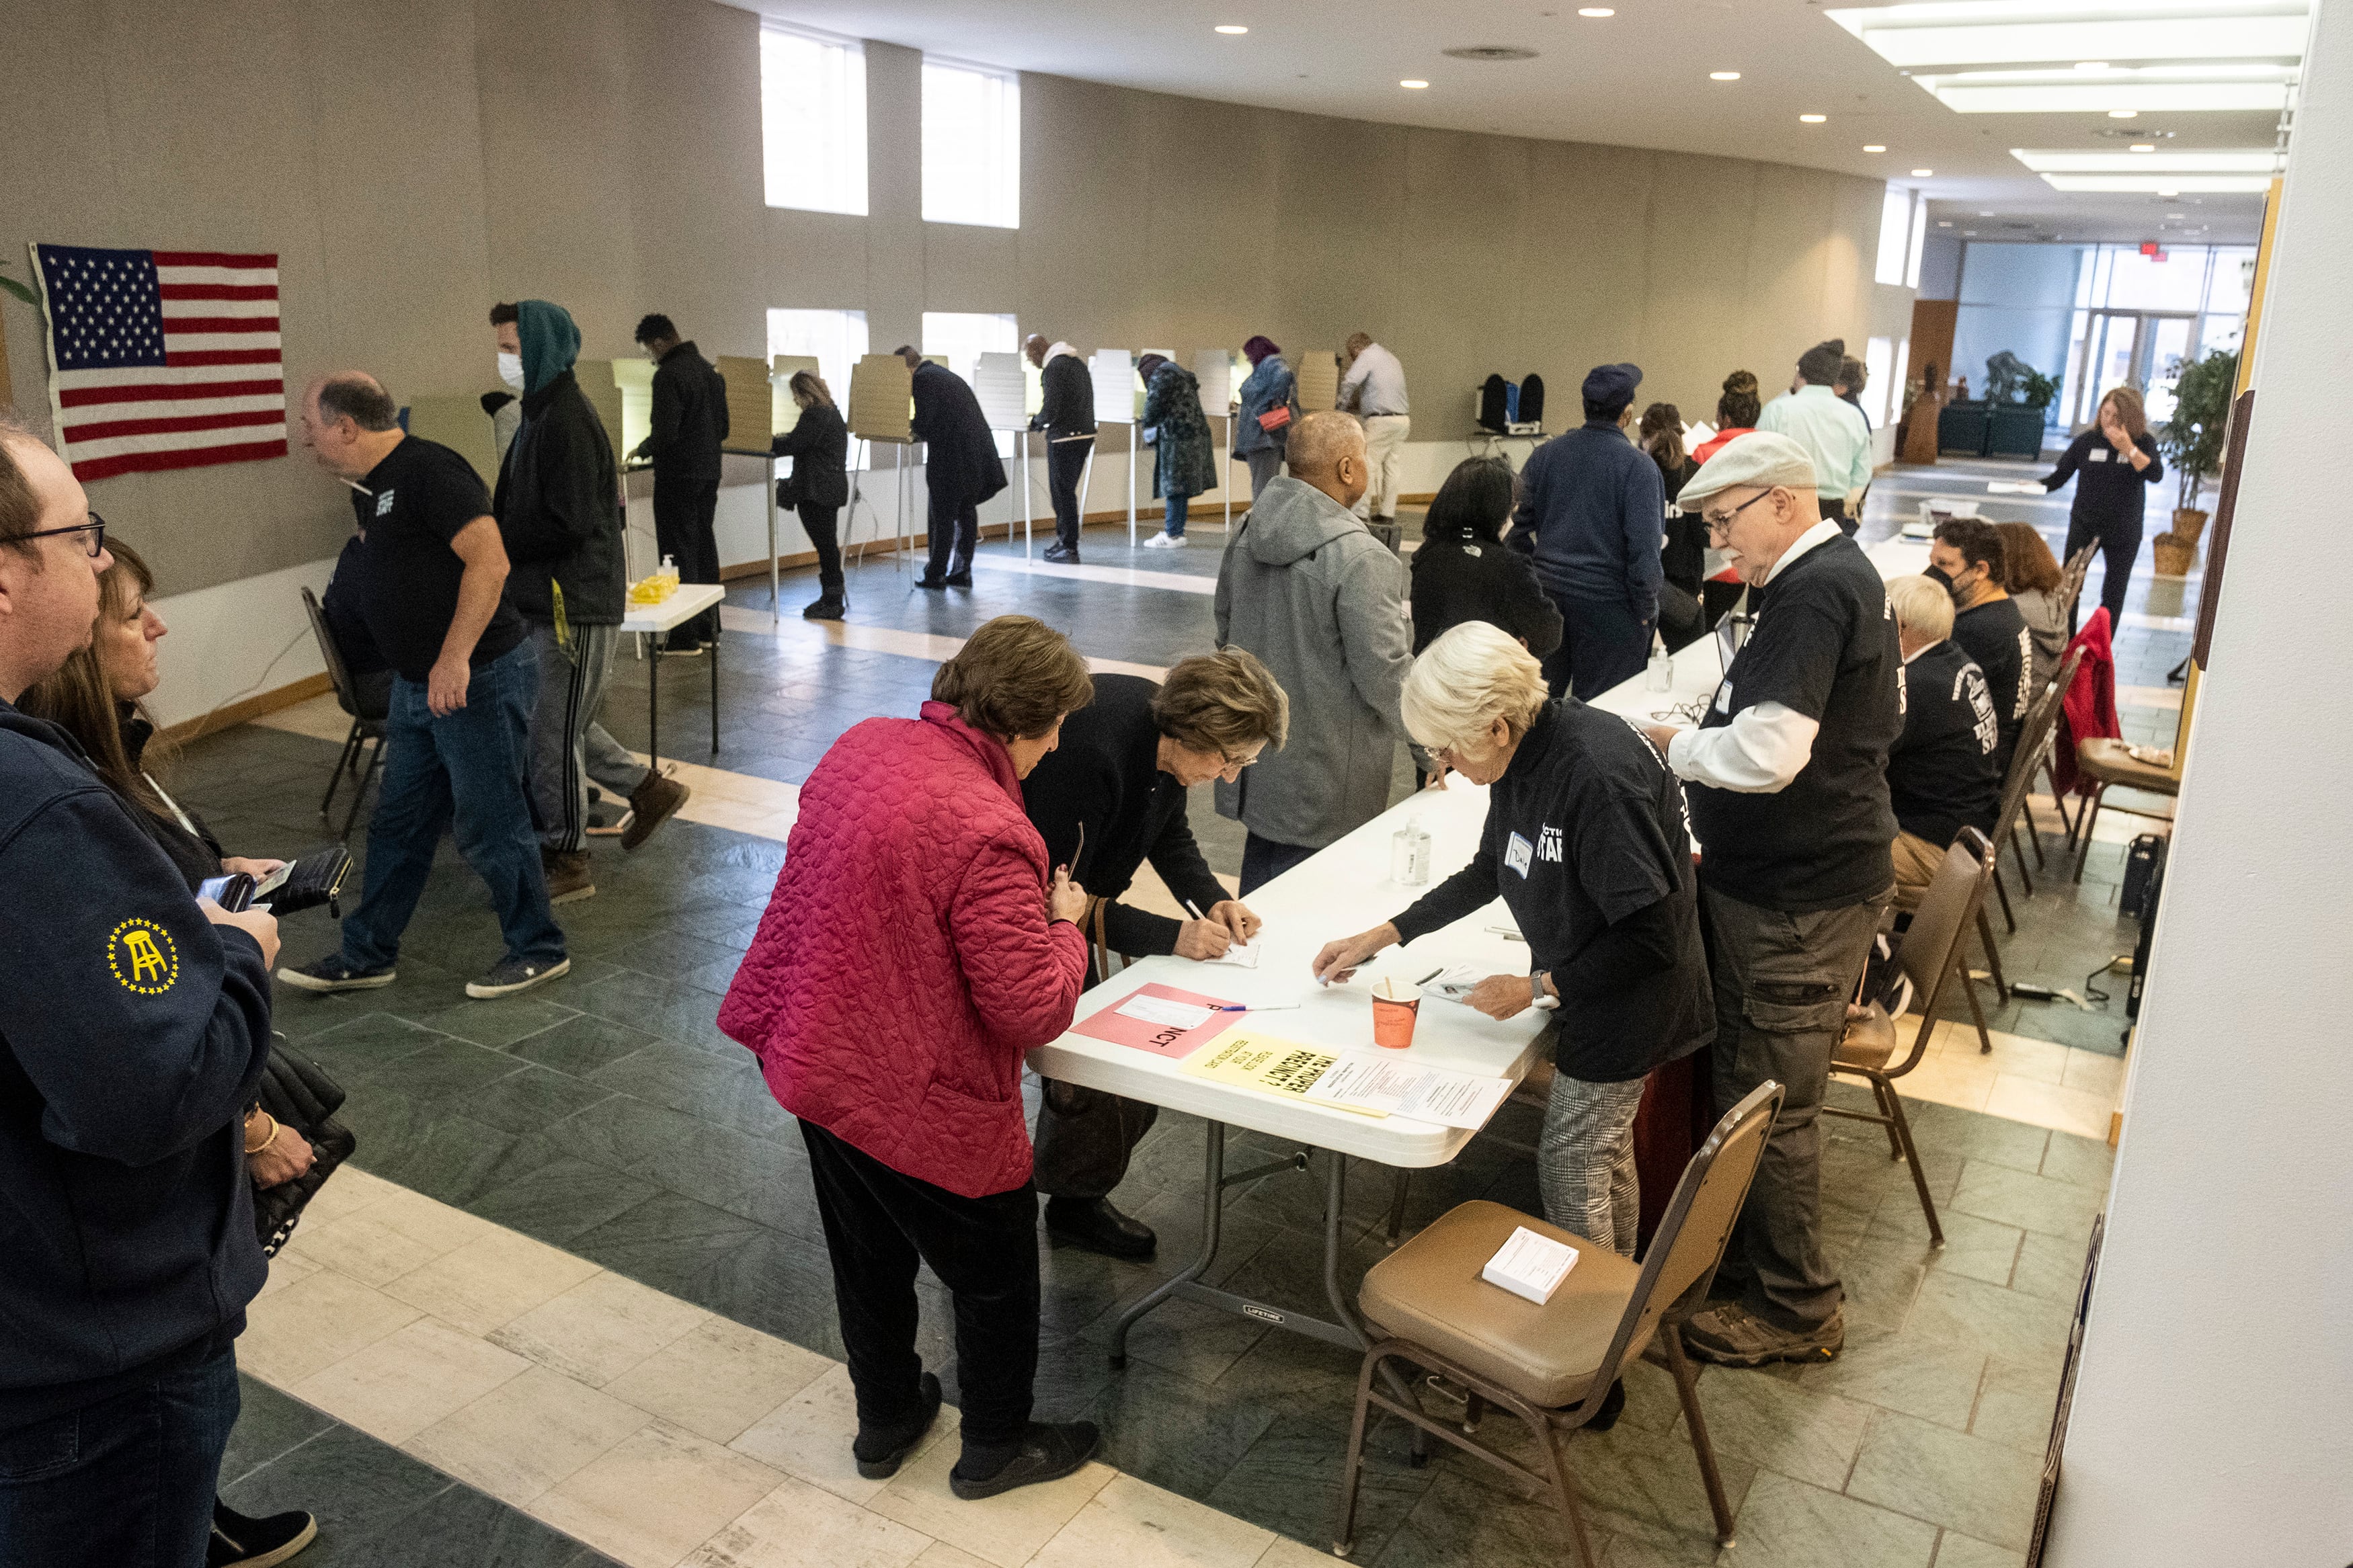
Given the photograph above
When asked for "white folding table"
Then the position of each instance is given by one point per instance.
(1339, 891)
(690, 600)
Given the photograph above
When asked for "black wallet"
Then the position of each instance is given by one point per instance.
(309, 882)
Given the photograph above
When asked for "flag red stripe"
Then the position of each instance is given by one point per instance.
(220, 324)
(165, 424)
(212, 258)
(155, 392)
(178, 357)
(218, 290)
(193, 458)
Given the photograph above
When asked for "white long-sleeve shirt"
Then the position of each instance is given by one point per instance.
(1765, 746)
(1374, 384)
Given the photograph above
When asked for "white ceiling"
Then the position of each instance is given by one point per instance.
(1639, 79)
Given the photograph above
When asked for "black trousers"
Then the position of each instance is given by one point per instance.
(2119, 539)
(879, 1224)
(1602, 642)
(818, 521)
(1066, 462)
(683, 511)
(1085, 1137)
(1264, 859)
(949, 522)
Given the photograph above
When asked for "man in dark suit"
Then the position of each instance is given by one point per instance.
(689, 425)
(961, 468)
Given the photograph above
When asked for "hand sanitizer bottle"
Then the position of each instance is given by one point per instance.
(1662, 672)
(1409, 855)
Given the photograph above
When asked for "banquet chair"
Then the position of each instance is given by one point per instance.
(1552, 1364)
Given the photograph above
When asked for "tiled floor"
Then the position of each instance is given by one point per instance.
(636, 1227)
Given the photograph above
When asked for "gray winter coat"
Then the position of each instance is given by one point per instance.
(1322, 602)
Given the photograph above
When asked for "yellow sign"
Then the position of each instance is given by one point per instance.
(143, 957)
(1265, 1062)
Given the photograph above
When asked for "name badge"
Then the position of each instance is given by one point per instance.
(1518, 854)
(2099, 455)
(1724, 698)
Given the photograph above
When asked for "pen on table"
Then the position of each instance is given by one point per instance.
(1251, 1008)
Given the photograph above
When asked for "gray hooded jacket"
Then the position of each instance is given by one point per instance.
(1321, 603)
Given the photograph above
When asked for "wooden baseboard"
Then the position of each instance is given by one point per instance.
(236, 714)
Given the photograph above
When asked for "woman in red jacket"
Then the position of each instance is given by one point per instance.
(915, 947)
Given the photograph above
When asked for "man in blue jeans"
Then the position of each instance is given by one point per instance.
(135, 1023)
(432, 575)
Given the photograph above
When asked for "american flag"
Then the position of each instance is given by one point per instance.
(161, 359)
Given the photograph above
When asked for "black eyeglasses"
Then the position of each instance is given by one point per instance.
(95, 527)
(1718, 525)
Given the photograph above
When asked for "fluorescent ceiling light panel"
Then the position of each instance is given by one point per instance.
(2016, 31)
(2160, 184)
(2043, 162)
(2122, 99)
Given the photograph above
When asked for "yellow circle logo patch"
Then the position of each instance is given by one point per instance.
(143, 957)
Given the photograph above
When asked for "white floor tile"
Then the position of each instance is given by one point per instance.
(409, 1379)
(527, 1435)
(656, 1496)
(719, 1379)
(600, 1327)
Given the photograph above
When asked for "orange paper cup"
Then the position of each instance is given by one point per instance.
(1394, 1005)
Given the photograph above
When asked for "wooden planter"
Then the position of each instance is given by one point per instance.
(2189, 523)
(2174, 555)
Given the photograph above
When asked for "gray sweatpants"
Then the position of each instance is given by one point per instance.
(1782, 982)
(1585, 1161)
(1264, 465)
(568, 747)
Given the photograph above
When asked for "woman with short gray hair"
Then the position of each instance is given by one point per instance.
(1585, 841)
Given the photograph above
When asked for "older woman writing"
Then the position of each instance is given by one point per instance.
(1585, 842)
(915, 946)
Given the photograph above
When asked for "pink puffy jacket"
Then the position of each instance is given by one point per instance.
(906, 963)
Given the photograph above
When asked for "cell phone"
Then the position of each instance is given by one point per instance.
(233, 892)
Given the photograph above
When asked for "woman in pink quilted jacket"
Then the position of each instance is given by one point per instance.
(916, 945)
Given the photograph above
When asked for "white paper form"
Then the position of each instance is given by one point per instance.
(1454, 1098)
(1241, 955)
(1375, 1084)
(1530, 1266)
(1162, 1010)
(2015, 487)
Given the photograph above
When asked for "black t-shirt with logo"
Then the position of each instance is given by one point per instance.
(1825, 646)
(409, 508)
(1586, 840)
(1941, 774)
(1995, 634)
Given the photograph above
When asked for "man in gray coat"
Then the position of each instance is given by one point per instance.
(1321, 602)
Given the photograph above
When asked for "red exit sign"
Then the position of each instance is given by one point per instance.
(2150, 248)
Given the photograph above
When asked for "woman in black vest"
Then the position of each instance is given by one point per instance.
(818, 488)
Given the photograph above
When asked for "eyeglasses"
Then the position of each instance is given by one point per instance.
(1720, 523)
(1233, 764)
(95, 527)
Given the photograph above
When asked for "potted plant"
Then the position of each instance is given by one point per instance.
(10, 286)
(2192, 439)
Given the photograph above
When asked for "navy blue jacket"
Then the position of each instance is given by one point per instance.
(132, 1033)
(1592, 510)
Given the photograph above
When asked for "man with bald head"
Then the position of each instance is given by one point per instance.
(431, 586)
(1321, 602)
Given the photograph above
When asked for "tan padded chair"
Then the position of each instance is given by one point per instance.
(2033, 751)
(1552, 1365)
(1931, 957)
(2109, 765)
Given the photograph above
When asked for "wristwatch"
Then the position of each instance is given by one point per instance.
(1538, 996)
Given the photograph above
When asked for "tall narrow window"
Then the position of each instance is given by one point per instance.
(813, 120)
(961, 337)
(1895, 236)
(972, 145)
(835, 339)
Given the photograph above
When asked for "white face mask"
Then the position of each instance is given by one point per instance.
(511, 369)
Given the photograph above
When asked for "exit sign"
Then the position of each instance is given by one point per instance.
(2149, 248)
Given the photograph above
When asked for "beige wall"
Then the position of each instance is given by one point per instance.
(411, 164)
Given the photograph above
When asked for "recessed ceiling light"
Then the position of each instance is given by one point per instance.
(1414, 82)
(1922, 174)
(2124, 114)
(2142, 147)
(1813, 119)
(1232, 31)
(1724, 75)
(1594, 11)
(2177, 215)
(1944, 223)
(1985, 214)
(2091, 65)
(2169, 193)
(1873, 147)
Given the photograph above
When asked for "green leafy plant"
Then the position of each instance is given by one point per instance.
(2192, 439)
(22, 290)
(2038, 391)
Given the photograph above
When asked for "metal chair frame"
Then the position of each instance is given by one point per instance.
(2034, 751)
(364, 728)
(1552, 1426)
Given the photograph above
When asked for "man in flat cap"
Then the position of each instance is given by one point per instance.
(1833, 432)
(1786, 778)
(1593, 514)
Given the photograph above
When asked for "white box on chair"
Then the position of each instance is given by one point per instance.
(1530, 1266)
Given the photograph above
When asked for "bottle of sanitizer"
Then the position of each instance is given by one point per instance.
(1662, 672)
(1410, 855)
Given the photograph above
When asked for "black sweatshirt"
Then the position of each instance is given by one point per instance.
(1462, 577)
(1105, 775)
(559, 511)
(1941, 773)
(1585, 840)
(1995, 634)
(689, 422)
(2108, 490)
(1068, 405)
(132, 1031)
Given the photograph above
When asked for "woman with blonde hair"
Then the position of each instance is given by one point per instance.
(2113, 464)
(1585, 842)
(818, 488)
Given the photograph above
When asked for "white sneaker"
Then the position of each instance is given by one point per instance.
(1164, 542)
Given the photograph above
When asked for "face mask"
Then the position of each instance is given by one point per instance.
(1942, 578)
(511, 370)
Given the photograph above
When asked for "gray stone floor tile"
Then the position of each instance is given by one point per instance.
(1456, 1522)
(2079, 1162)
(1909, 1371)
(1785, 1523)
(461, 1526)
(1289, 1480)
(581, 1045)
(1959, 1550)
(498, 1024)
(1969, 1484)
(2051, 1268)
(2016, 1404)
(436, 1150)
(268, 1424)
(439, 1072)
(702, 1083)
(2004, 1324)
(1782, 1427)
(1186, 1435)
(2028, 1201)
(677, 1152)
(531, 1099)
(358, 1487)
(558, 1201)
(1977, 1248)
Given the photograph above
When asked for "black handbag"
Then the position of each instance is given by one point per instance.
(297, 1092)
(789, 491)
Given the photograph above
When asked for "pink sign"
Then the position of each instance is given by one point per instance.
(1160, 1039)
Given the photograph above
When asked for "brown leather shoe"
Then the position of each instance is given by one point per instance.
(568, 874)
(655, 802)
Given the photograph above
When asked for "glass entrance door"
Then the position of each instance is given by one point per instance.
(2144, 350)
(2163, 348)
